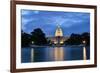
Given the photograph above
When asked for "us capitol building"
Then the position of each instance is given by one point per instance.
(58, 39)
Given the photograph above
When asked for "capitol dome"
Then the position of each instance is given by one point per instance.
(59, 32)
(59, 38)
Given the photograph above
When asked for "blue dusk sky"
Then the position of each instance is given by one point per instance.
(70, 22)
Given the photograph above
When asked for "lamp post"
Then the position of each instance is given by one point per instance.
(32, 42)
(84, 42)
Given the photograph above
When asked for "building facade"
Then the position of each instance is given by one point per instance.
(58, 39)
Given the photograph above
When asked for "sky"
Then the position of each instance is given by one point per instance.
(70, 22)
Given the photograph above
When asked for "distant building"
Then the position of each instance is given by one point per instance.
(58, 39)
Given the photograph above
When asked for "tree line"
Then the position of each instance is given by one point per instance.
(77, 39)
(38, 37)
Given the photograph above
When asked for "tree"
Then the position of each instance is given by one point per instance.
(38, 37)
(25, 39)
(75, 39)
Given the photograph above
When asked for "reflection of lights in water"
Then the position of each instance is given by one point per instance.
(58, 54)
(84, 53)
(32, 55)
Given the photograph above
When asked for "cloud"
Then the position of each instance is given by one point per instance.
(67, 22)
(36, 12)
(25, 12)
(26, 21)
(27, 17)
(48, 20)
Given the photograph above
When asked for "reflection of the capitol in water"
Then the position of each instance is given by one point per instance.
(56, 54)
(59, 54)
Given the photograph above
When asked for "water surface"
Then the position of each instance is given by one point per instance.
(45, 54)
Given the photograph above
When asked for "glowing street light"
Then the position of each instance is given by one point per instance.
(84, 41)
(32, 42)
